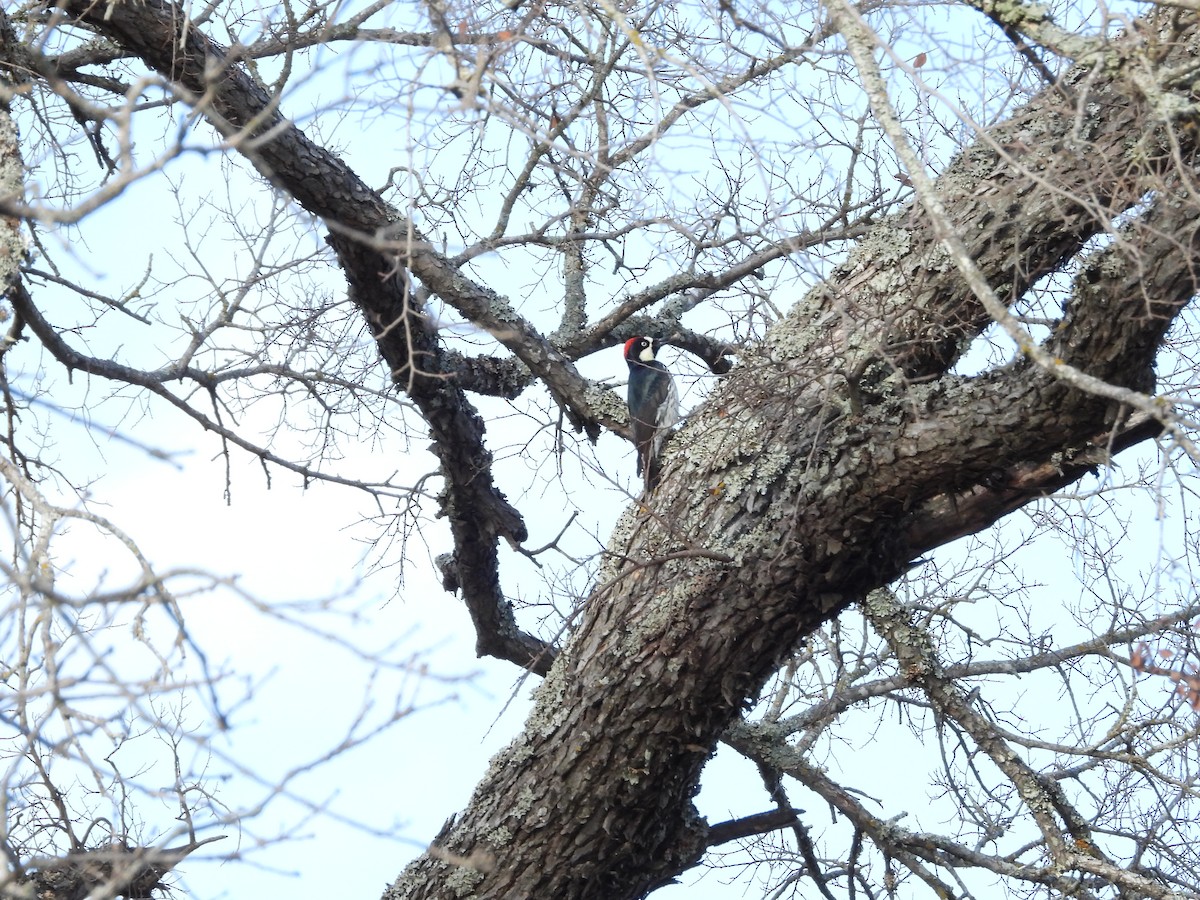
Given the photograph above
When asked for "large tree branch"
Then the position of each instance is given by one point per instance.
(1124, 299)
(367, 235)
(819, 714)
(916, 657)
(912, 849)
(114, 871)
(161, 34)
(1071, 844)
(1017, 204)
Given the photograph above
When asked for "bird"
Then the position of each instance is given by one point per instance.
(653, 405)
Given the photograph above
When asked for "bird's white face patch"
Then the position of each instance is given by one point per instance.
(647, 353)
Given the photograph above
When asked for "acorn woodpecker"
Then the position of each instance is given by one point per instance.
(653, 405)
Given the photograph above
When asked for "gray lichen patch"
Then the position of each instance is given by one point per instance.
(500, 836)
(13, 243)
(882, 246)
(523, 803)
(723, 437)
(606, 403)
(656, 617)
(551, 704)
(462, 881)
(622, 535)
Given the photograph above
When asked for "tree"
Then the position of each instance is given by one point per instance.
(760, 183)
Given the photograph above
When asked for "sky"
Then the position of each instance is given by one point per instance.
(290, 557)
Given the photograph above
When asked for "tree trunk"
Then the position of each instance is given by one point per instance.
(814, 474)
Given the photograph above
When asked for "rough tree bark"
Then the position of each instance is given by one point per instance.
(836, 452)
